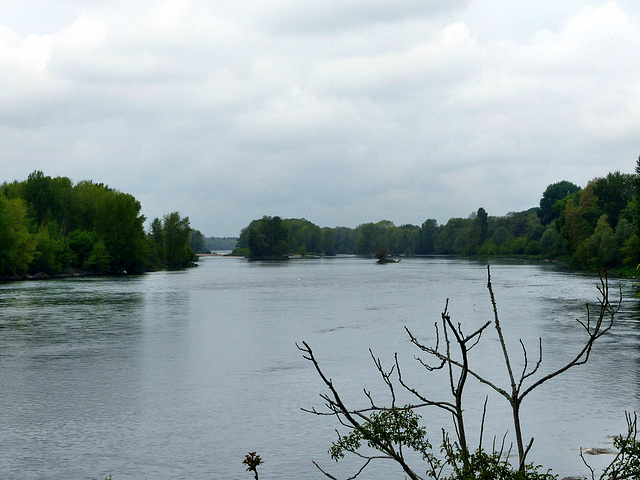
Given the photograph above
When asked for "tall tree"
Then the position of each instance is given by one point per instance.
(428, 235)
(579, 217)
(176, 231)
(553, 193)
(119, 225)
(17, 245)
(482, 222)
(197, 242)
(614, 193)
(267, 237)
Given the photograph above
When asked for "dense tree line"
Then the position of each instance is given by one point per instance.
(598, 225)
(52, 226)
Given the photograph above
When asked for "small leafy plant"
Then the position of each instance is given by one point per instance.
(252, 460)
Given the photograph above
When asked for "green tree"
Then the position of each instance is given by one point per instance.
(328, 242)
(365, 236)
(81, 243)
(268, 237)
(551, 242)
(119, 225)
(17, 245)
(579, 217)
(448, 242)
(345, 240)
(614, 192)
(99, 259)
(553, 193)
(482, 225)
(197, 242)
(176, 231)
(500, 236)
(52, 254)
(428, 237)
(601, 248)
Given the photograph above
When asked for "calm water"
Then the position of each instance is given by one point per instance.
(177, 375)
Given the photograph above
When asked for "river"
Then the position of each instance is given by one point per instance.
(177, 375)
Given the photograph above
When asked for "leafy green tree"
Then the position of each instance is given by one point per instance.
(17, 245)
(447, 239)
(631, 251)
(52, 254)
(99, 260)
(48, 199)
(482, 225)
(534, 229)
(381, 244)
(601, 248)
(119, 225)
(500, 236)
(268, 237)
(176, 231)
(553, 193)
(345, 240)
(365, 236)
(328, 241)
(624, 231)
(428, 237)
(197, 242)
(156, 243)
(614, 192)
(579, 217)
(81, 243)
(303, 232)
(551, 242)
(84, 199)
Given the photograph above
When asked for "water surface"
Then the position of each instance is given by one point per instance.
(175, 375)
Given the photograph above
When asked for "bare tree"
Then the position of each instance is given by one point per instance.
(391, 430)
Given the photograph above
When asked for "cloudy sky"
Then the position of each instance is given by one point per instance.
(338, 111)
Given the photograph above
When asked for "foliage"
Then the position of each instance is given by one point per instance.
(252, 461)
(382, 253)
(197, 242)
(482, 465)
(17, 245)
(569, 223)
(554, 193)
(267, 237)
(386, 430)
(626, 464)
(170, 241)
(51, 226)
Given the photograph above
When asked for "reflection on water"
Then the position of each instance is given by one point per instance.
(180, 374)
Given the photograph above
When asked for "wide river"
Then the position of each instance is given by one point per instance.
(177, 375)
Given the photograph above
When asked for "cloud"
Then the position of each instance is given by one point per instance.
(330, 16)
(341, 112)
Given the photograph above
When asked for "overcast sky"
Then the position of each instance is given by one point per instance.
(338, 111)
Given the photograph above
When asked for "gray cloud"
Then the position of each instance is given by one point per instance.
(339, 112)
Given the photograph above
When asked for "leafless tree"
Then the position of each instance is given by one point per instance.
(451, 353)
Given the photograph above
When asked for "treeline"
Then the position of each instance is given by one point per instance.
(598, 225)
(51, 226)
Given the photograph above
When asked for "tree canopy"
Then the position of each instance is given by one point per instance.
(594, 226)
(51, 226)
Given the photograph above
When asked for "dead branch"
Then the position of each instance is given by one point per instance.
(356, 419)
